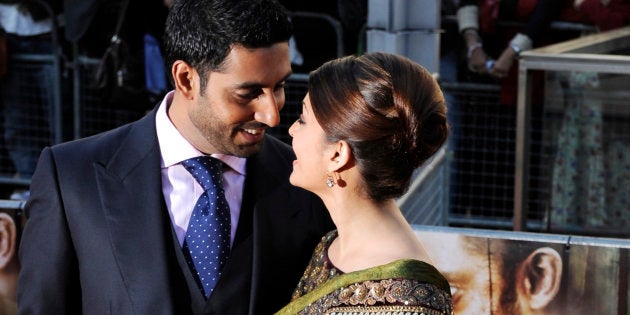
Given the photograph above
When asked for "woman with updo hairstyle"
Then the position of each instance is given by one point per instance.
(367, 123)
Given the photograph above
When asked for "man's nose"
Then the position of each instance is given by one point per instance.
(268, 110)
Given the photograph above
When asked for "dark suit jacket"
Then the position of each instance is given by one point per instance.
(99, 240)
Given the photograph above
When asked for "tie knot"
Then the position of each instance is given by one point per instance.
(207, 171)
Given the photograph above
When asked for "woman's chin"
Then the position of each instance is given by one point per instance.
(292, 179)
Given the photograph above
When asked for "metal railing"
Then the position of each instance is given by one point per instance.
(590, 76)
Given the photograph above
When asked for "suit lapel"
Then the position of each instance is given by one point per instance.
(136, 217)
(264, 177)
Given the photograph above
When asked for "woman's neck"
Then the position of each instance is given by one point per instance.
(370, 234)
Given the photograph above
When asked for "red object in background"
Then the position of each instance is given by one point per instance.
(614, 14)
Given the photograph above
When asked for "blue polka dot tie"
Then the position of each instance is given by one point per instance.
(207, 242)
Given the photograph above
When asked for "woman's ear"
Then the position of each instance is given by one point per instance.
(8, 238)
(540, 277)
(184, 79)
(340, 156)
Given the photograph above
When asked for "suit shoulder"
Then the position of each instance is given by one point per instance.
(93, 143)
(141, 132)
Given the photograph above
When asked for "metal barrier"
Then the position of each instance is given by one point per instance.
(13, 205)
(91, 113)
(331, 21)
(319, 38)
(32, 110)
(482, 152)
(472, 181)
(480, 155)
(586, 128)
(15, 209)
(427, 200)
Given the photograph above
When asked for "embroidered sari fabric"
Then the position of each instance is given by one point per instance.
(407, 286)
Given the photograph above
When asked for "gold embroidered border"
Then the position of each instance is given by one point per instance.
(382, 310)
(410, 296)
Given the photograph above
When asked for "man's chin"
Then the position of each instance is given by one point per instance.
(246, 150)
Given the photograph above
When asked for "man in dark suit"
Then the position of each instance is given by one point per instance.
(108, 214)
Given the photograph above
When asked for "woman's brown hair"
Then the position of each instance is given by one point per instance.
(388, 108)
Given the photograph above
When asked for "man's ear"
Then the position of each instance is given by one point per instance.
(540, 277)
(8, 237)
(184, 79)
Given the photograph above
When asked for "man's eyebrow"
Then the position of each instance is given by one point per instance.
(256, 85)
(286, 77)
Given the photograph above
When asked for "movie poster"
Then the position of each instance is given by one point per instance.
(499, 273)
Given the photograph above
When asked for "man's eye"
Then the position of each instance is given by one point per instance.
(456, 293)
(250, 95)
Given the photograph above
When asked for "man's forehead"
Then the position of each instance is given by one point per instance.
(237, 53)
(251, 67)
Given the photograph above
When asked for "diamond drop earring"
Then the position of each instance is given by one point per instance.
(329, 182)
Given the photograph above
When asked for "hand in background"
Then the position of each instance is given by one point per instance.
(477, 60)
(477, 57)
(503, 65)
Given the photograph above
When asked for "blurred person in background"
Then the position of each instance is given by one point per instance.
(27, 95)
